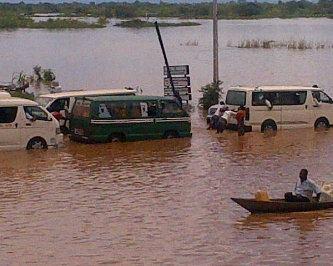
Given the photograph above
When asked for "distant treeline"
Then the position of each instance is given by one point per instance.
(230, 10)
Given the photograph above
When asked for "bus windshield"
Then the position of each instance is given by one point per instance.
(236, 98)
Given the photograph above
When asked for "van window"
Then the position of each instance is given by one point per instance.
(279, 98)
(81, 108)
(36, 113)
(292, 97)
(236, 98)
(321, 97)
(7, 114)
(114, 110)
(259, 98)
(143, 109)
(170, 108)
(58, 105)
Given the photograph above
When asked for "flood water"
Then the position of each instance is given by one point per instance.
(166, 202)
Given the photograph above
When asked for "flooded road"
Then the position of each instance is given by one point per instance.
(166, 202)
(163, 202)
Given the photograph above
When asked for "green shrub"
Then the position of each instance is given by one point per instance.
(21, 94)
(210, 95)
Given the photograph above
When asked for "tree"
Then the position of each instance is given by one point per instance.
(210, 95)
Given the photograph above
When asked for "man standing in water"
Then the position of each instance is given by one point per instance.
(240, 117)
(304, 189)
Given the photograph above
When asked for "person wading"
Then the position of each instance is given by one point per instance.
(304, 189)
(240, 117)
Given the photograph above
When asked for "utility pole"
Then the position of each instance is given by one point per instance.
(175, 93)
(215, 45)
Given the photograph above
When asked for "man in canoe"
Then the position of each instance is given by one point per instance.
(304, 189)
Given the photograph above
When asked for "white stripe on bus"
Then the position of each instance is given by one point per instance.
(129, 121)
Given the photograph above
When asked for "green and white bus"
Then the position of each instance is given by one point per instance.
(128, 118)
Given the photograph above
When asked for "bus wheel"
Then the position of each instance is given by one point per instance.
(36, 143)
(171, 135)
(321, 122)
(268, 126)
(116, 138)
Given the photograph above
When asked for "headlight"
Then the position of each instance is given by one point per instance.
(58, 131)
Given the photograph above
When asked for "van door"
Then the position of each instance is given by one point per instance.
(9, 127)
(36, 123)
(322, 106)
(295, 110)
(265, 107)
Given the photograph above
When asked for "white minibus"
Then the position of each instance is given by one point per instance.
(24, 124)
(269, 108)
(56, 102)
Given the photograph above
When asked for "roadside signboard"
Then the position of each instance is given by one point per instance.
(181, 82)
(177, 82)
(181, 70)
(182, 91)
(185, 97)
(185, 93)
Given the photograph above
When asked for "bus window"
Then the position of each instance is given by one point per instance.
(81, 108)
(58, 105)
(152, 109)
(143, 109)
(103, 111)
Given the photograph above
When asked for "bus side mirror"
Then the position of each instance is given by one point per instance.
(268, 104)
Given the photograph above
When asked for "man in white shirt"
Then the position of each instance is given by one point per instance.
(304, 189)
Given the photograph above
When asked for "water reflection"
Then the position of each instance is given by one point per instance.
(304, 222)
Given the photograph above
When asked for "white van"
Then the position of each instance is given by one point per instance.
(24, 124)
(214, 109)
(281, 107)
(4, 94)
(55, 102)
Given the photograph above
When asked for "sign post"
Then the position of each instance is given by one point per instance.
(180, 80)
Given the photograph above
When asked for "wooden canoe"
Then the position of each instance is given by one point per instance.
(280, 205)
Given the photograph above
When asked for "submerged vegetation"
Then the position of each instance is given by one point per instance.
(10, 20)
(291, 44)
(137, 23)
(64, 24)
(229, 10)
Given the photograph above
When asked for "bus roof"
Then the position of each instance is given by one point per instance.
(274, 88)
(88, 93)
(14, 101)
(127, 98)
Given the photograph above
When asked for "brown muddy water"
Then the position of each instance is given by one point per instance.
(166, 202)
(163, 202)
